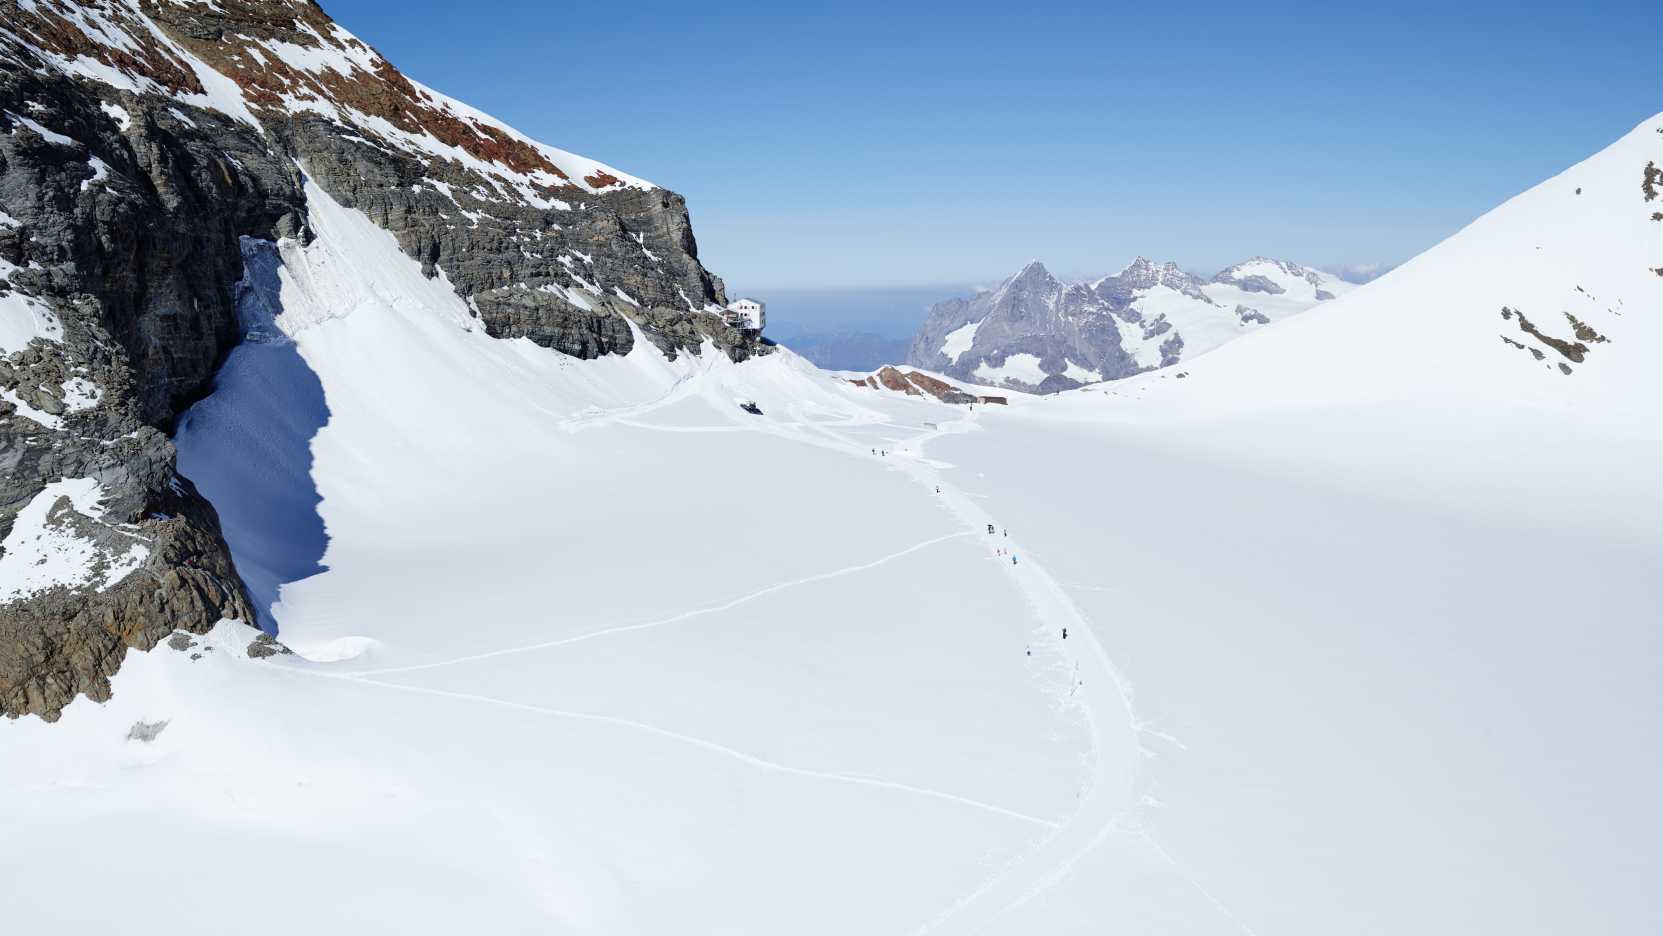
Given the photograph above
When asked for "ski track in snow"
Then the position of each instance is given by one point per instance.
(1144, 836)
(1098, 691)
(684, 616)
(701, 743)
(1104, 697)
(1106, 808)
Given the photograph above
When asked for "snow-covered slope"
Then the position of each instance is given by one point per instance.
(1034, 332)
(1390, 604)
(1350, 628)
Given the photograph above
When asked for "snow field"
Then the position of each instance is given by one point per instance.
(591, 646)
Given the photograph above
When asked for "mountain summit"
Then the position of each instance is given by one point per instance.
(1034, 332)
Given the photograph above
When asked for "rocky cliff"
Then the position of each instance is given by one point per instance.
(140, 140)
(1034, 332)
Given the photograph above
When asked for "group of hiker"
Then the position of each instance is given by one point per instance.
(1002, 552)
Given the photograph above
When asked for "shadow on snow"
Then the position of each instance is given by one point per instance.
(248, 444)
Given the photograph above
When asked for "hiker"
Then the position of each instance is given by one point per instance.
(1013, 558)
(990, 529)
(1065, 633)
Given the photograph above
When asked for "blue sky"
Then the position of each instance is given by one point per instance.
(872, 144)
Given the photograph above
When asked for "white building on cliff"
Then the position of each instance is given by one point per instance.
(750, 314)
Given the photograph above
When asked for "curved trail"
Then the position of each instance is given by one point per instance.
(1099, 693)
(1108, 797)
(722, 749)
(685, 615)
(691, 740)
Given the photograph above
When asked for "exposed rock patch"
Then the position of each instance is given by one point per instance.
(146, 732)
(914, 383)
(265, 645)
(1574, 351)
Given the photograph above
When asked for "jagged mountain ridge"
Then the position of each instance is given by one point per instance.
(140, 143)
(1035, 332)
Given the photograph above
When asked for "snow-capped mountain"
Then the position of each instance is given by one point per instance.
(1353, 630)
(609, 654)
(1034, 332)
(144, 145)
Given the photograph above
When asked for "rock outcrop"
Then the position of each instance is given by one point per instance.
(914, 383)
(140, 140)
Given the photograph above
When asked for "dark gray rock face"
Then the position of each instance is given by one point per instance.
(122, 203)
(134, 255)
(570, 274)
(545, 245)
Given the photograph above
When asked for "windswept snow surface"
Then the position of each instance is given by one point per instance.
(1361, 633)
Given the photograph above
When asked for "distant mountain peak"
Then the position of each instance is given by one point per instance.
(1035, 332)
(1033, 272)
(1272, 276)
(1033, 280)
